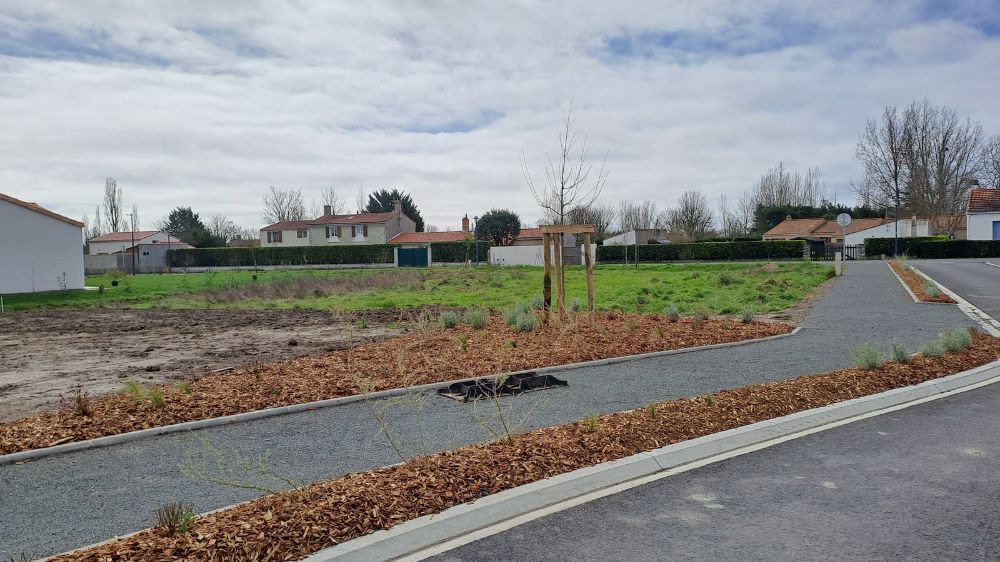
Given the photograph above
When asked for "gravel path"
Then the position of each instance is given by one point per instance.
(917, 484)
(66, 501)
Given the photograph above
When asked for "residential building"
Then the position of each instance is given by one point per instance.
(820, 230)
(39, 250)
(114, 242)
(908, 228)
(339, 230)
(141, 258)
(983, 214)
(640, 236)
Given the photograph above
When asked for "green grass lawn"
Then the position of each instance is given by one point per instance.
(720, 288)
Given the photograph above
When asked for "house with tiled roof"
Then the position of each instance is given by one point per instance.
(983, 214)
(40, 250)
(114, 242)
(339, 230)
(828, 232)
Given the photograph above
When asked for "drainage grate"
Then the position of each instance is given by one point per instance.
(476, 389)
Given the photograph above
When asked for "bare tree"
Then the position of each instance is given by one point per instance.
(224, 229)
(691, 217)
(729, 223)
(779, 187)
(361, 200)
(93, 228)
(599, 215)
(431, 228)
(631, 215)
(330, 197)
(990, 172)
(571, 180)
(134, 216)
(746, 211)
(283, 205)
(881, 149)
(114, 213)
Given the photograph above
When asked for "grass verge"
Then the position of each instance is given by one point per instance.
(295, 523)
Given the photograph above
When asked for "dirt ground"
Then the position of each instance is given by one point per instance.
(48, 354)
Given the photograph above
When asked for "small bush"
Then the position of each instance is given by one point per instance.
(931, 289)
(463, 342)
(899, 353)
(702, 314)
(956, 340)
(476, 318)
(575, 305)
(933, 348)
(747, 316)
(525, 322)
(174, 517)
(671, 313)
(79, 403)
(510, 317)
(537, 302)
(449, 319)
(868, 357)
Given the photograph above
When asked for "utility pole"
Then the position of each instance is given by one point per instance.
(132, 236)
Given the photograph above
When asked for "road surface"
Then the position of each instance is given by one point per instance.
(975, 280)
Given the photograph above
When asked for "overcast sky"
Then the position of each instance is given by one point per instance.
(207, 103)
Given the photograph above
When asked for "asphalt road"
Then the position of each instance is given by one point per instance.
(975, 280)
(916, 484)
(66, 501)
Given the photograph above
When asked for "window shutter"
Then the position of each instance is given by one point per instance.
(328, 232)
(337, 229)
(354, 231)
(366, 231)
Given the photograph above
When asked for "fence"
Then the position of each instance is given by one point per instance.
(828, 252)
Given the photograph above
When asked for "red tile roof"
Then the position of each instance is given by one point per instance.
(984, 200)
(36, 208)
(428, 237)
(124, 236)
(530, 233)
(820, 227)
(287, 225)
(794, 227)
(357, 218)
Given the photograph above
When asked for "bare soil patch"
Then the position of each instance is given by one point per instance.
(45, 354)
(916, 284)
(290, 525)
(429, 355)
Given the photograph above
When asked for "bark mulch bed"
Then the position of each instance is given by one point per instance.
(916, 283)
(293, 524)
(431, 355)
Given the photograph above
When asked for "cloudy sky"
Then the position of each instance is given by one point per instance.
(207, 103)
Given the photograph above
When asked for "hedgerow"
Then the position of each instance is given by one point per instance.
(934, 247)
(715, 251)
(300, 255)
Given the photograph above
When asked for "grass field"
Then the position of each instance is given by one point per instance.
(718, 288)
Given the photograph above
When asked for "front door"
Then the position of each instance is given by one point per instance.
(996, 230)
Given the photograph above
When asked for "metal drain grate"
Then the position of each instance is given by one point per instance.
(475, 389)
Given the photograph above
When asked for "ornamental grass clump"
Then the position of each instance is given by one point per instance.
(575, 305)
(933, 348)
(747, 316)
(671, 313)
(868, 357)
(956, 340)
(525, 322)
(449, 319)
(899, 353)
(476, 318)
(931, 289)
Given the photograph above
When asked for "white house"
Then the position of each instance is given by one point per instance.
(983, 222)
(338, 230)
(114, 242)
(908, 228)
(641, 236)
(39, 250)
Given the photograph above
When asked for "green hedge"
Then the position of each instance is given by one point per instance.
(874, 247)
(938, 248)
(737, 239)
(459, 252)
(714, 251)
(301, 255)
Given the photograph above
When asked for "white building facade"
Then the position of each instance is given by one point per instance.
(908, 228)
(983, 215)
(39, 250)
(115, 242)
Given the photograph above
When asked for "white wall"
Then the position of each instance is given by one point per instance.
(36, 250)
(525, 255)
(112, 247)
(907, 228)
(288, 238)
(980, 226)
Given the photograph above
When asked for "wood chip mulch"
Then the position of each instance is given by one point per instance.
(916, 284)
(427, 356)
(293, 524)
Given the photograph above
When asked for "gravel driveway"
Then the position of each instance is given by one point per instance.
(66, 501)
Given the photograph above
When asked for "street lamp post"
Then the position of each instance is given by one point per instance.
(132, 236)
(475, 239)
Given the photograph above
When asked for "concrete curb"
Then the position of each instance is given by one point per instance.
(909, 290)
(110, 440)
(424, 532)
(989, 324)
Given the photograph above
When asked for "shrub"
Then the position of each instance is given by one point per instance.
(510, 316)
(174, 517)
(575, 305)
(933, 348)
(525, 322)
(476, 318)
(931, 289)
(929, 247)
(702, 314)
(671, 314)
(460, 252)
(899, 353)
(537, 302)
(867, 356)
(747, 316)
(80, 403)
(722, 251)
(956, 340)
(449, 319)
(297, 255)
(463, 342)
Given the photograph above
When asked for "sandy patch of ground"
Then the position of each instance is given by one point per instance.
(48, 354)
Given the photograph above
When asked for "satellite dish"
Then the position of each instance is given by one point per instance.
(843, 219)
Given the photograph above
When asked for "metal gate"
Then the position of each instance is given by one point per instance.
(826, 252)
(413, 257)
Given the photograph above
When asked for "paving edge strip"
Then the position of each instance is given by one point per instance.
(425, 533)
(110, 440)
(989, 324)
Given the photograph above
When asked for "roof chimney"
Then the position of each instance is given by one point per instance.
(327, 210)
(465, 223)
(397, 206)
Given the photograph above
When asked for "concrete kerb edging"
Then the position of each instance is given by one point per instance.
(109, 440)
(425, 532)
(987, 322)
(910, 291)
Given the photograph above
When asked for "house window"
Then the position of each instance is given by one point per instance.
(359, 231)
(300, 234)
(333, 232)
(274, 237)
